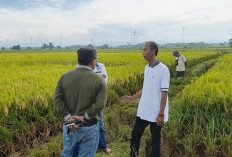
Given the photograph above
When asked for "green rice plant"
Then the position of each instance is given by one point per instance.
(190, 145)
(40, 153)
(28, 81)
(210, 145)
(205, 105)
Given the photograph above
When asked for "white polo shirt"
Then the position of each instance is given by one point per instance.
(156, 80)
(100, 69)
(181, 63)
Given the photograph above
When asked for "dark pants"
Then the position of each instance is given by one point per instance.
(180, 74)
(137, 133)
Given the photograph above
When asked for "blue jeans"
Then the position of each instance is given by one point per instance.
(102, 133)
(80, 143)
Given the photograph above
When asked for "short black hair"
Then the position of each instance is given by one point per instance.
(153, 46)
(86, 55)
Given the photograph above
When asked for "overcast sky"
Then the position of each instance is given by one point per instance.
(114, 22)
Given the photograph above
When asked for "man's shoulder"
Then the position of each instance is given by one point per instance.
(90, 74)
(101, 65)
(147, 66)
(80, 71)
(99, 80)
(163, 66)
(68, 72)
(182, 56)
(96, 76)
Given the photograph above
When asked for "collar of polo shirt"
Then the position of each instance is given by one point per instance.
(152, 66)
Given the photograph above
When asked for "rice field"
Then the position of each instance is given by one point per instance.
(201, 121)
(28, 80)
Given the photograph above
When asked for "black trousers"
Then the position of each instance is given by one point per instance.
(180, 74)
(137, 133)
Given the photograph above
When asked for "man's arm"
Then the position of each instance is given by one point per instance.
(160, 118)
(105, 76)
(165, 82)
(163, 102)
(127, 98)
(185, 61)
(100, 102)
(59, 101)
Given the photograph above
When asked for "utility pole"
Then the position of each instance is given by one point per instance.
(183, 37)
(7, 40)
(60, 40)
(31, 42)
(91, 41)
(134, 38)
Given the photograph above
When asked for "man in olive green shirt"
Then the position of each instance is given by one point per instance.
(80, 95)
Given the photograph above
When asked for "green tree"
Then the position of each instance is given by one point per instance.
(51, 46)
(230, 43)
(47, 46)
(16, 47)
(44, 46)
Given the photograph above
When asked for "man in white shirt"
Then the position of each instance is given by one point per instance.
(153, 106)
(101, 70)
(181, 64)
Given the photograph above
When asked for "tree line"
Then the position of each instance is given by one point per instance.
(51, 46)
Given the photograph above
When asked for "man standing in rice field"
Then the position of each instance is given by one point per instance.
(100, 69)
(153, 106)
(81, 95)
(181, 64)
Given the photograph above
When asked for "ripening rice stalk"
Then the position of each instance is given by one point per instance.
(28, 81)
(209, 98)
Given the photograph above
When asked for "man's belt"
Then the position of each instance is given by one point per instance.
(86, 123)
(89, 122)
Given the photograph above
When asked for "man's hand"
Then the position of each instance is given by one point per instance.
(160, 120)
(104, 75)
(126, 99)
(73, 127)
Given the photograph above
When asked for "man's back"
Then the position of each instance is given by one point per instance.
(83, 91)
(80, 95)
(181, 63)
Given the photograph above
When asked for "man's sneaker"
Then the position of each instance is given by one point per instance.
(108, 150)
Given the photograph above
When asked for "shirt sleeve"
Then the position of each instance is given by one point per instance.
(59, 100)
(184, 59)
(104, 72)
(100, 102)
(165, 80)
